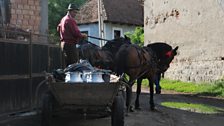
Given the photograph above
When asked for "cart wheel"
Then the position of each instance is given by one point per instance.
(117, 115)
(47, 109)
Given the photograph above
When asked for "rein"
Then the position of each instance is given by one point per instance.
(140, 75)
(98, 38)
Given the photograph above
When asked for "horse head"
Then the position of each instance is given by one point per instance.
(110, 49)
(165, 54)
(89, 51)
(114, 45)
(169, 56)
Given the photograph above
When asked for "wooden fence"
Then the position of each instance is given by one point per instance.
(22, 67)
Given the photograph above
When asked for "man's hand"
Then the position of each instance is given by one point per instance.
(84, 35)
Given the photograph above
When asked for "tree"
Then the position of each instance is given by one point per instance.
(56, 10)
(137, 37)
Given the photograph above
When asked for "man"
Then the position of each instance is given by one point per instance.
(157, 83)
(70, 35)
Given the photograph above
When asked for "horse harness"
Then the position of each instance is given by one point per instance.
(142, 54)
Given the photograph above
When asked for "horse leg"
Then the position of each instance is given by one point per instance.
(152, 106)
(138, 91)
(129, 96)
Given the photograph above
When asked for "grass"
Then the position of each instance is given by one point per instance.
(209, 89)
(198, 108)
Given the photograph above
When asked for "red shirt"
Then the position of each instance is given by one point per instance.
(68, 29)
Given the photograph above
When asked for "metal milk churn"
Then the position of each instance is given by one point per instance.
(97, 77)
(73, 77)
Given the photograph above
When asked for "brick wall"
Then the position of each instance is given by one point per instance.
(197, 27)
(25, 14)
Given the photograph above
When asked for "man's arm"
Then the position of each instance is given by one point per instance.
(74, 29)
(59, 27)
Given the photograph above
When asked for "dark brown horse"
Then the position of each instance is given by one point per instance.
(136, 61)
(164, 54)
(139, 63)
(102, 57)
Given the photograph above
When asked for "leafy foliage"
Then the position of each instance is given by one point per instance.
(137, 37)
(56, 10)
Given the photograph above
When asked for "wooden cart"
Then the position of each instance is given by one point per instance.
(84, 96)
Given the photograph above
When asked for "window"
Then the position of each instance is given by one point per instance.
(117, 33)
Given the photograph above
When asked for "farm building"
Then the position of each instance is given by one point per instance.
(118, 17)
(197, 27)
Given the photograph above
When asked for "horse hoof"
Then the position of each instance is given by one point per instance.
(138, 108)
(158, 91)
(132, 109)
(126, 114)
(152, 108)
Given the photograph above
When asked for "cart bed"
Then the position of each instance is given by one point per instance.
(84, 94)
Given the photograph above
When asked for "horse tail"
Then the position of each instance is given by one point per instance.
(120, 60)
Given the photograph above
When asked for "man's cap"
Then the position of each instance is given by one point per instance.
(72, 6)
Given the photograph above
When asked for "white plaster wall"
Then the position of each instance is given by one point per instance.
(196, 26)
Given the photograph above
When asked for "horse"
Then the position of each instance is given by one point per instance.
(165, 54)
(138, 63)
(91, 52)
(102, 57)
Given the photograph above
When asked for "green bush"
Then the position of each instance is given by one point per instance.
(137, 37)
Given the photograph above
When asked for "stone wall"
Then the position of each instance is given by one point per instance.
(196, 71)
(197, 27)
(25, 14)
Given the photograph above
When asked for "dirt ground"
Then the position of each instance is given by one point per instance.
(162, 116)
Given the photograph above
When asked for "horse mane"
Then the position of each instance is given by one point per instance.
(88, 51)
(120, 59)
(160, 48)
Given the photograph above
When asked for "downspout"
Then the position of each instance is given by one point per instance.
(100, 23)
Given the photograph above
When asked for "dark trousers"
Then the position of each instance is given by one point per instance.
(157, 81)
(70, 53)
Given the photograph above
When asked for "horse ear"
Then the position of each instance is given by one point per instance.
(175, 50)
(125, 36)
